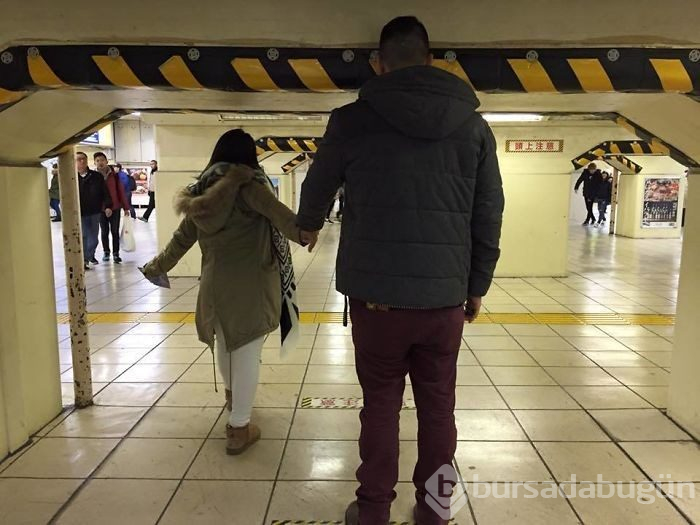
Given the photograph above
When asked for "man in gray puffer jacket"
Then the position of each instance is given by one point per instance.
(418, 248)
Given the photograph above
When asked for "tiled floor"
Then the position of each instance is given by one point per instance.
(557, 405)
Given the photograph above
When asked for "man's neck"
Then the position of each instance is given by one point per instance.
(84, 172)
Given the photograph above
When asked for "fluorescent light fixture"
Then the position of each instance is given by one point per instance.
(136, 114)
(512, 117)
(226, 117)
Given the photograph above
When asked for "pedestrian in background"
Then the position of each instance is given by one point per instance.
(94, 200)
(111, 217)
(604, 197)
(591, 179)
(55, 194)
(129, 184)
(151, 191)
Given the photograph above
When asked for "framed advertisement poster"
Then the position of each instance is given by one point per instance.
(660, 209)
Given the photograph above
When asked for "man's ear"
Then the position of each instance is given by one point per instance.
(429, 60)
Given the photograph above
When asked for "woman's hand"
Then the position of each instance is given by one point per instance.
(308, 239)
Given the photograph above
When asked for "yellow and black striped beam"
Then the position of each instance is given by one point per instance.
(658, 145)
(623, 164)
(24, 69)
(287, 144)
(295, 162)
(618, 148)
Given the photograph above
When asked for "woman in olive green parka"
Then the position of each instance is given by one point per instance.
(234, 215)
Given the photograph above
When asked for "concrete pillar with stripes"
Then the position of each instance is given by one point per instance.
(75, 278)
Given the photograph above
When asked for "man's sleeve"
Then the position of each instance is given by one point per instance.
(324, 178)
(580, 180)
(487, 218)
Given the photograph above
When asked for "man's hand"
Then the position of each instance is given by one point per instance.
(472, 308)
(108, 213)
(126, 213)
(309, 238)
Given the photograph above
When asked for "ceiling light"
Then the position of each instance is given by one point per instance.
(136, 114)
(512, 117)
(226, 117)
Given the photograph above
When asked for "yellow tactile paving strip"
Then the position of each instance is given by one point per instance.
(333, 317)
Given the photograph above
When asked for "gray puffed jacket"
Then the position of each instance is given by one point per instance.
(423, 193)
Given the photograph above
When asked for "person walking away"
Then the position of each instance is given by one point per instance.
(341, 202)
(418, 247)
(151, 191)
(94, 199)
(55, 194)
(111, 218)
(129, 184)
(330, 209)
(604, 197)
(247, 284)
(591, 179)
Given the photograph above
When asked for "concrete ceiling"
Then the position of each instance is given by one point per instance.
(314, 23)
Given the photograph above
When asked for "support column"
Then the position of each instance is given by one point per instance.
(613, 199)
(75, 278)
(684, 391)
(30, 389)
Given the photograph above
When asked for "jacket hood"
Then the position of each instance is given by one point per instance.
(219, 196)
(421, 101)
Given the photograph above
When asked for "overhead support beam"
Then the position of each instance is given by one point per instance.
(287, 144)
(24, 69)
(614, 151)
(296, 162)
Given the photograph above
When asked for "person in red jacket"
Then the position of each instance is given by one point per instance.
(109, 221)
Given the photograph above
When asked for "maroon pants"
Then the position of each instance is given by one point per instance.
(389, 345)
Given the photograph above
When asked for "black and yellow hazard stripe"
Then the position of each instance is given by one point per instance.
(618, 148)
(623, 164)
(287, 144)
(295, 162)
(563, 70)
(657, 146)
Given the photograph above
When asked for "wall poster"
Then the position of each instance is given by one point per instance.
(660, 208)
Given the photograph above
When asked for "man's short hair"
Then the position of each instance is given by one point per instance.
(119, 166)
(81, 154)
(99, 154)
(404, 42)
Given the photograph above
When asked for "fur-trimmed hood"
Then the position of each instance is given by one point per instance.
(210, 209)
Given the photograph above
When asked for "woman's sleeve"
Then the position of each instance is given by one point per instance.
(183, 239)
(262, 200)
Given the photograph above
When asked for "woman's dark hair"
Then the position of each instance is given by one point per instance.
(235, 147)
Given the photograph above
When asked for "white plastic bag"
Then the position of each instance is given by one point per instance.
(128, 240)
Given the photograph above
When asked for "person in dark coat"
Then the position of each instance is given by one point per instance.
(54, 194)
(591, 179)
(418, 248)
(604, 196)
(94, 200)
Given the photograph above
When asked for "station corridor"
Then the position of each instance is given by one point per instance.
(561, 377)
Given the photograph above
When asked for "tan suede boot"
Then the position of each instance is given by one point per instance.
(239, 439)
(229, 400)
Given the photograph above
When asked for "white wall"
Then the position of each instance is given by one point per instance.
(134, 141)
(30, 392)
(538, 186)
(539, 194)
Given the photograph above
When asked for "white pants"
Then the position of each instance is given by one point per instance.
(240, 370)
